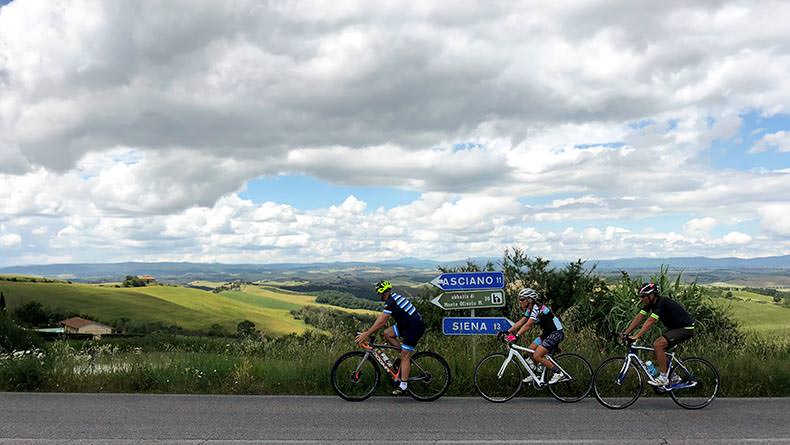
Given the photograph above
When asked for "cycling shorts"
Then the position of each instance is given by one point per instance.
(678, 336)
(551, 341)
(410, 334)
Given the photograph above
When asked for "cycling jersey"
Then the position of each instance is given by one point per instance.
(401, 309)
(546, 318)
(408, 322)
(669, 312)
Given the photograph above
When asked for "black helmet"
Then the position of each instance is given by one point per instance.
(648, 289)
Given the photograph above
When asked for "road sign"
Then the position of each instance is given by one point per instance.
(470, 299)
(474, 325)
(470, 281)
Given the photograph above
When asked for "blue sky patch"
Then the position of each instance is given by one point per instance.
(307, 193)
(734, 153)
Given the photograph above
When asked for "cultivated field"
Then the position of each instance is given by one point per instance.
(191, 309)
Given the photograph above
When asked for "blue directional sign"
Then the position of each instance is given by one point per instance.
(474, 325)
(469, 281)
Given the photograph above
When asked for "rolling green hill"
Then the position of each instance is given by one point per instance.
(189, 308)
(759, 314)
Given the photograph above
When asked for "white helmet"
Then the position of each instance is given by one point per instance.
(530, 293)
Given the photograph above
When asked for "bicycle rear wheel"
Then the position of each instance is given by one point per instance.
(576, 383)
(354, 377)
(491, 385)
(429, 376)
(616, 386)
(696, 383)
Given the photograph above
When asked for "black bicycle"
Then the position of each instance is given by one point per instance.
(357, 374)
(618, 382)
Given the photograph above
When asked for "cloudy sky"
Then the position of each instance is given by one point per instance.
(301, 131)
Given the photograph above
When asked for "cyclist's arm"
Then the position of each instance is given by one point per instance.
(635, 322)
(380, 322)
(527, 326)
(517, 325)
(646, 327)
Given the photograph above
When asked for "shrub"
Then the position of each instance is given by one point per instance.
(246, 329)
(611, 311)
(333, 320)
(13, 338)
(26, 373)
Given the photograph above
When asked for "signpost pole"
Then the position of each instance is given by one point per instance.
(474, 345)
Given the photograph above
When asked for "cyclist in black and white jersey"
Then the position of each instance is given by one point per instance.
(679, 324)
(408, 326)
(536, 311)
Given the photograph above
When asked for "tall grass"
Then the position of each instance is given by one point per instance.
(301, 364)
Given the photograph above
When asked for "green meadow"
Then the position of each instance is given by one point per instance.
(191, 309)
(760, 317)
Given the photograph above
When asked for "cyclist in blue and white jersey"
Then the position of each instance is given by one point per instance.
(536, 311)
(408, 326)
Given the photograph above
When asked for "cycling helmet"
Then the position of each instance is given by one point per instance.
(648, 289)
(383, 286)
(530, 293)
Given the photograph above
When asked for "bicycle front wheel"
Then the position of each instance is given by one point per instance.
(429, 376)
(576, 381)
(615, 385)
(493, 386)
(355, 377)
(694, 384)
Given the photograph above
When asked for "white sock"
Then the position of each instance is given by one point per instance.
(403, 385)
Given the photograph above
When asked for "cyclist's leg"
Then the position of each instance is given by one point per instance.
(411, 336)
(660, 347)
(667, 340)
(548, 345)
(391, 335)
(534, 347)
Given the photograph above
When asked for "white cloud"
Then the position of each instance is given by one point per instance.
(10, 239)
(779, 141)
(127, 132)
(736, 238)
(700, 226)
(774, 218)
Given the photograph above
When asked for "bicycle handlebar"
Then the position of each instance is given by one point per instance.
(621, 337)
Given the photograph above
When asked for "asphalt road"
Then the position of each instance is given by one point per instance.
(122, 419)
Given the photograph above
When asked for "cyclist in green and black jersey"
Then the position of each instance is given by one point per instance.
(679, 324)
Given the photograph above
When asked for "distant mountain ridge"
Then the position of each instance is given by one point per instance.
(183, 270)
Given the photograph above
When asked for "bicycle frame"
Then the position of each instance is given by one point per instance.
(633, 356)
(514, 352)
(370, 350)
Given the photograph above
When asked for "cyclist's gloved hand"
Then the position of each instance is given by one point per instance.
(511, 338)
(361, 337)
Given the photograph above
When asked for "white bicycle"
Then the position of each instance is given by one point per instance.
(499, 376)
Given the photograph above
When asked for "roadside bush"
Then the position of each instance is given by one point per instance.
(23, 372)
(13, 338)
(346, 300)
(333, 320)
